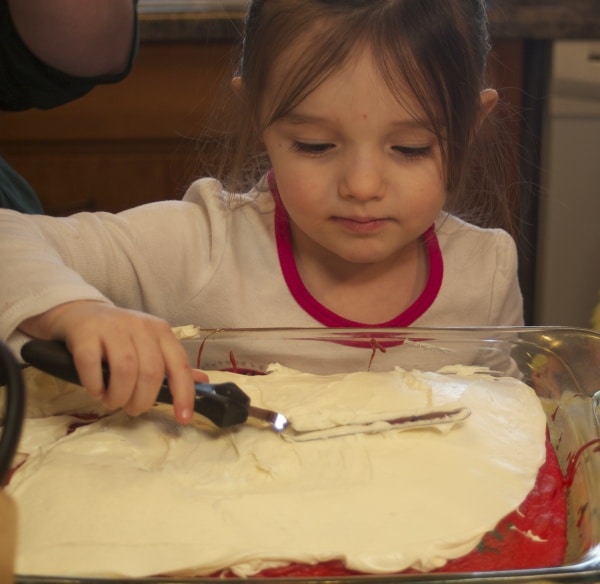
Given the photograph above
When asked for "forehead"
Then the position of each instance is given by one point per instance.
(356, 83)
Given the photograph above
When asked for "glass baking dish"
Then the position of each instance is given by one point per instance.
(561, 364)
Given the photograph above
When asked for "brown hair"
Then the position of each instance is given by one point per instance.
(438, 48)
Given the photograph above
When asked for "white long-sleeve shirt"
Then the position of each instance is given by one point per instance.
(221, 262)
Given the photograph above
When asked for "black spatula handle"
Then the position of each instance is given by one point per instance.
(54, 358)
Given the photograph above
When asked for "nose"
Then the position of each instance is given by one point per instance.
(362, 177)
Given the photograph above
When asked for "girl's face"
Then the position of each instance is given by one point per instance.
(359, 174)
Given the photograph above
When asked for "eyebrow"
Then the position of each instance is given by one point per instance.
(298, 119)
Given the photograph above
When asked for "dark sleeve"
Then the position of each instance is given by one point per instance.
(26, 82)
(16, 193)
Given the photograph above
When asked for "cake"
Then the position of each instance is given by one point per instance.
(135, 497)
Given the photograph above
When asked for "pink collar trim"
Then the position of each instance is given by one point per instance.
(329, 318)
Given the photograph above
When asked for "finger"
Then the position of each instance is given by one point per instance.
(199, 376)
(151, 374)
(181, 380)
(122, 360)
(87, 356)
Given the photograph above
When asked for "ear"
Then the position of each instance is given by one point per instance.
(237, 85)
(489, 99)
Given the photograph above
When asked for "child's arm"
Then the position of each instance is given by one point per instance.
(140, 350)
(65, 277)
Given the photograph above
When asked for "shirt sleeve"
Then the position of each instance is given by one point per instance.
(507, 300)
(27, 82)
(480, 285)
(15, 192)
(155, 258)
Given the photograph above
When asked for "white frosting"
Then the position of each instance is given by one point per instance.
(145, 496)
(376, 397)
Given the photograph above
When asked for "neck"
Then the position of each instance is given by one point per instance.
(371, 293)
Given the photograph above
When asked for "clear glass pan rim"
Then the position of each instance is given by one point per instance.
(544, 337)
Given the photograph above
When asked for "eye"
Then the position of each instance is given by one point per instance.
(414, 152)
(313, 149)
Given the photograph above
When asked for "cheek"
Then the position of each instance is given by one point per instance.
(428, 194)
(294, 190)
(298, 187)
(433, 183)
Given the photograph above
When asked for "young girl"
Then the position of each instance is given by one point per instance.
(363, 124)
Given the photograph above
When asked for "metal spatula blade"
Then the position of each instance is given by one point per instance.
(278, 421)
(433, 418)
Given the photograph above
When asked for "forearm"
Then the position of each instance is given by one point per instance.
(134, 259)
(38, 276)
(81, 38)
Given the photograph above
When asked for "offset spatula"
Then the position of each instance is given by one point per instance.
(224, 404)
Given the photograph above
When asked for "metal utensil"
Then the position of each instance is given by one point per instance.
(438, 417)
(225, 404)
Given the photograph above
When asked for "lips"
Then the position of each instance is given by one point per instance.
(358, 224)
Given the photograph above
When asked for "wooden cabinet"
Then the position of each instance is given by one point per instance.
(136, 141)
(123, 144)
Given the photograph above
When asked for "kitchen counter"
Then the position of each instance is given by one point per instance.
(212, 20)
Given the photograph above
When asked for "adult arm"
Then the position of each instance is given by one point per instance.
(86, 38)
(98, 54)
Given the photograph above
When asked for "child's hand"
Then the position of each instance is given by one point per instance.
(140, 350)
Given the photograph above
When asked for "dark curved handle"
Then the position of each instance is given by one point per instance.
(14, 410)
(54, 358)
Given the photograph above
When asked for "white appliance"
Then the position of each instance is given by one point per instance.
(568, 260)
